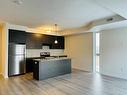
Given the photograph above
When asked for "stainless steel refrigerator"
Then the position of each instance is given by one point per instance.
(17, 59)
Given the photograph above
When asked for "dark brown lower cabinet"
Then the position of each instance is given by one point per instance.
(29, 65)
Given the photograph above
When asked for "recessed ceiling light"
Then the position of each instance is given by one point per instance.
(18, 2)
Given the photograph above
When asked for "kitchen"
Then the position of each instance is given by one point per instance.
(26, 50)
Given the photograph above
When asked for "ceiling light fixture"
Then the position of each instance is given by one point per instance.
(18, 2)
(56, 41)
(48, 31)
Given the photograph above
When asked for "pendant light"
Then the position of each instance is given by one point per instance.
(56, 41)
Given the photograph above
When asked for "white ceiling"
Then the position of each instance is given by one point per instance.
(117, 6)
(66, 13)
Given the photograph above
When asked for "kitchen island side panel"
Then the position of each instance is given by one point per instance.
(49, 69)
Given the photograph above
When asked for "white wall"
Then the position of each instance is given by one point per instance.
(0, 50)
(113, 53)
(36, 52)
(5, 50)
(80, 49)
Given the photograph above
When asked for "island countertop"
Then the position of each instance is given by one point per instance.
(50, 59)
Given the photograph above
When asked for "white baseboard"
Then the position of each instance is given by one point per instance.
(3, 76)
(81, 70)
(113, 76)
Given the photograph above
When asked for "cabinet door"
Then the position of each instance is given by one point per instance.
(60, 44)
(34, 41)
(30, 42)
(49, 40)
(17, 36)
(29, 65)
(61, 40)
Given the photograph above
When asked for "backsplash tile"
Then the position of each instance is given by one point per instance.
(36, 52)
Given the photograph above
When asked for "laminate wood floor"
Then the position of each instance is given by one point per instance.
(77, 83)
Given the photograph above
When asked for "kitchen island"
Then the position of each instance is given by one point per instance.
(51, 67)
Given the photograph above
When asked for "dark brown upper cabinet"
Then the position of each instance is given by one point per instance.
(17, 36)
(36, 41)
